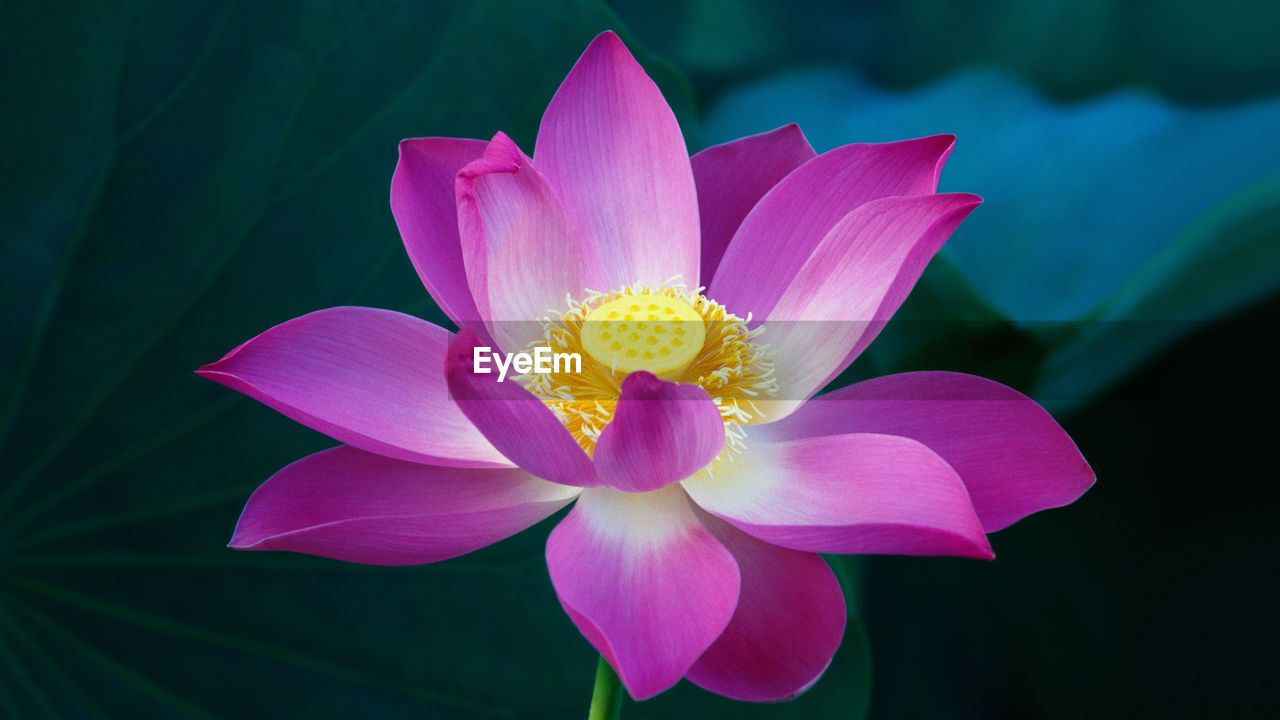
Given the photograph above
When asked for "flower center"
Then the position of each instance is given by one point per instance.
(658, 333)
(671, 332)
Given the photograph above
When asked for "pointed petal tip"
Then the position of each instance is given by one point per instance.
(979, 546)
(241, 538)
(942, 144)
(965, 203)
(957, 205)
(606, 44)
(502, 146)
(606, 36)
(794, 129)
(215, 367)
(213, 371)
(790, 129)
(238, 540)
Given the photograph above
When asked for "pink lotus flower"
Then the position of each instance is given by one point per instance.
(706, 480)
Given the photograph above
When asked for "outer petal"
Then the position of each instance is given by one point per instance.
(647, 584)
(351, 505)
(613, 151)
(1012, 456)
(787, 626)
(661, 432)
(369, 378)
(522, 254)
(731, 179)
(850, 287)
(514, 420)
(422, 200)
(782, 230)
(860, 493)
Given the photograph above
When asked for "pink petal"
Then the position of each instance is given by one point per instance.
(645, 582)
(782, 230)
(613, 151)
(787, 626)
(518, 424)
(369, 378)
(523, 256)
(858, 493)
(851, 285)
(731, 179)
(351, 505)
(1013, 457)
(422, 201)
(661, 432)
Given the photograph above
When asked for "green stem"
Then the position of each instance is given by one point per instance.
(606, 697)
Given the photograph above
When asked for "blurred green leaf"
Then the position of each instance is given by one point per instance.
(1226, 258)
(1185, 50)
(179, 177)
(1120, 215)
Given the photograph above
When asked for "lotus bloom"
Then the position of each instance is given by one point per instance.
(709, 299)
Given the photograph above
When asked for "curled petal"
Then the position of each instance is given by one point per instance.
(852, 284)
(518, 424)
(523, 256)
(731, 179)
(612, 149)
(787, 626)
(645, 582)
(782, 230)
(1012, 456)
(369, 378)
(351, 505)
(661, 432)
(858, 493)
(422, 201)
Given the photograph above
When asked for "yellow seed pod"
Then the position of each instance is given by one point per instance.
(657, 333)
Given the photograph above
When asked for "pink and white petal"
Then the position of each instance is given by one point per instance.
(784, 228)
(645, 582)
(613, 151)
(523, 256)
(1012, 456)
(731, 178)
(366, 377)
(787, 626)
(423, 203)
(856, 493)
(351, 505)
(518, 424)
(850, 287)
(661, 432)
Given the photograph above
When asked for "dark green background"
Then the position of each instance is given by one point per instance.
(178, 177)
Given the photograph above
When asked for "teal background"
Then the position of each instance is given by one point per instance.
(178, 177)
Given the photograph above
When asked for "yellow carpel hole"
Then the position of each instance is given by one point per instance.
(661, 334)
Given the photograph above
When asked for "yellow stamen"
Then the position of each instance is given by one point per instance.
(717, 350)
